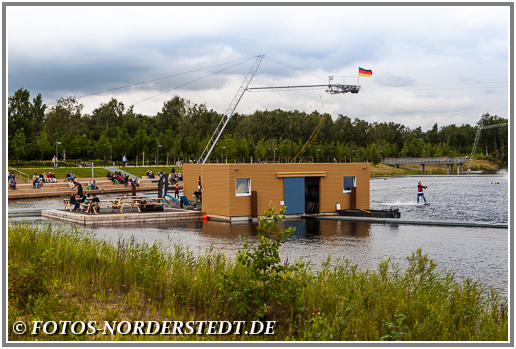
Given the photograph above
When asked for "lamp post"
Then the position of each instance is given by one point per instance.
(381, 156)
(223, 154)
(318, 150)
(157, 153)
(57, 154)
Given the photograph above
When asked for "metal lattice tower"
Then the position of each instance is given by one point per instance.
(477, 138)
(205, 155)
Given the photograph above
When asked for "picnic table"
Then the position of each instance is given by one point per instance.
(67, 204)
(93, 207)
(149, 203)
(119, 203)
(125, 201)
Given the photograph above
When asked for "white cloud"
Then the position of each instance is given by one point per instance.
(424, 59)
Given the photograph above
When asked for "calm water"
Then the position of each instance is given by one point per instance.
(480, 253)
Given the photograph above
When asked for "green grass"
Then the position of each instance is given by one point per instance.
(83, 172)
(141, 171)
(61, 172)
(59, 274)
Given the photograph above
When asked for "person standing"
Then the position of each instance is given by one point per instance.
(420, 188)
(176, 191)
(124, 160)
(78, 187)
(54, 161)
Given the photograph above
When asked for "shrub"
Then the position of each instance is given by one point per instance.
(260, 285)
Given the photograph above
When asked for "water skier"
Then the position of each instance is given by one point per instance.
(420, 188)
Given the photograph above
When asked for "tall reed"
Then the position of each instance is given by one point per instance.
(57, 274)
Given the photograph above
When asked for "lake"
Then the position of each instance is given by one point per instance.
(479, 253)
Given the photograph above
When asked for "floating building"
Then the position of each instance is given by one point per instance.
(234, 192)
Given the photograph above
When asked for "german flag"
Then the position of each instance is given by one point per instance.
(364, 72)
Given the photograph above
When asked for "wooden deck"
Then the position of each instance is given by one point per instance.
(108, 217)
(62, 188)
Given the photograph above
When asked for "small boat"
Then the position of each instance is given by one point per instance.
(356, 212)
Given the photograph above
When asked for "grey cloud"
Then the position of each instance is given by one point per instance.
(391, 80)
(391, 42)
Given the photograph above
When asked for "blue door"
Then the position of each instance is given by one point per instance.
(294, 194)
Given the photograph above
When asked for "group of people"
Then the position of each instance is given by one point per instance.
(175, 177)
(77, 199)
(70, 177)
(118, 178)
(92, 185)
(49, 177)
(39, 180)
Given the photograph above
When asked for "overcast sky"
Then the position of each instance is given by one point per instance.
(430, 64)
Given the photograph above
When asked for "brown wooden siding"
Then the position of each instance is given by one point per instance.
(219, 181)
(215, 189)
(191, 174)
(268, 186)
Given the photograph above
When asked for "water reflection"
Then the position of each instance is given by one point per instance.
(228, 230)
(305, 229)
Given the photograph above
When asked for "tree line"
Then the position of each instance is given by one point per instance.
(181, 130)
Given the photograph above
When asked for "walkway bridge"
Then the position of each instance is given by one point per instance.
(449, 162)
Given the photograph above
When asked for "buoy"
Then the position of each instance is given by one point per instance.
(205, 217)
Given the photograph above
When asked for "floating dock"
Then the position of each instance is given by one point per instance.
(404, 221)
(24, 212)
(108, 218)
(171, 215)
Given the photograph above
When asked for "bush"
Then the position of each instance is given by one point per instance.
(260, 285)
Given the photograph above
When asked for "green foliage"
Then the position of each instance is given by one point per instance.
(59, 274)
(103, 148)
(43, 144)
(183, 129)
(18, 144)
(262, 286)
(29, 280)
(396, 328)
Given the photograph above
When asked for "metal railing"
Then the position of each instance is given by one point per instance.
(425, 161)
(20, 172)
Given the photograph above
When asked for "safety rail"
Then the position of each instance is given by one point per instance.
(20, 172)
(425, 161)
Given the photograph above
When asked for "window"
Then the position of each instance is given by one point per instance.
(243, 187)
(349, 182)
